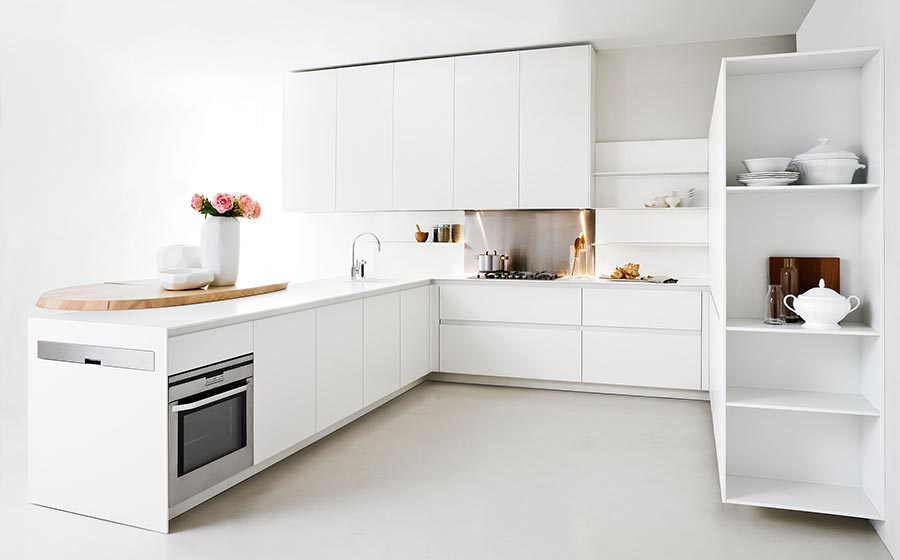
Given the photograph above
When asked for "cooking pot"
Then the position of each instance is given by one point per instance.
(489, 262)
(821, 308)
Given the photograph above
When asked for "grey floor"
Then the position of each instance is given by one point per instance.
(467, 472)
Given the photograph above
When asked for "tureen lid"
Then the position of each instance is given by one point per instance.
(821, 292)
(824, 150)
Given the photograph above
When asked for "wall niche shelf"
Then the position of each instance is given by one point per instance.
(848, 328)
(738, 189)
(800, 401)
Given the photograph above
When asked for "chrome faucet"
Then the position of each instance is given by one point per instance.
(358, 267)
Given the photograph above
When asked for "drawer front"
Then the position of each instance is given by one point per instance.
(643, 308)
(643, 359)
(202, 348)
(539, 305)
(511, 351)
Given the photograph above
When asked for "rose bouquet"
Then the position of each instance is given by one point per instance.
(227, 206)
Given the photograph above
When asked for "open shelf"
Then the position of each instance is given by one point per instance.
(847, 328)
(651, 243)
(645, 209)
(736, 189)
(804, 496)
(639, 173)
(799, 62)
(800, 401)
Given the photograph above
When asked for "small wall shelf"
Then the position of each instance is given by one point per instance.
(639, 173)
(645, 209)
(737, 189)
(800, 401)
(651, 243)
(848, 328)
(804, 496)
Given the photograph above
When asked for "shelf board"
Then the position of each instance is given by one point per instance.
(802, 496)
(847, 328)
(800, 401)
(799, 62)
(651, 243)
(737, 189)
(645, 209)
(641, 173)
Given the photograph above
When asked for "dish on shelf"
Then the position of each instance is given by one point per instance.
(768, 179)
(824, 164)
(767, 165)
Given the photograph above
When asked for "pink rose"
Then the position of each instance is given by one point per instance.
(197, 202)
(256, 210)
(223, 202)
(247, 204)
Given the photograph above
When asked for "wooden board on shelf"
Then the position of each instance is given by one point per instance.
(811, 269)
(144, 294)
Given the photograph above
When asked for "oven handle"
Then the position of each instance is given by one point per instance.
(212, 399)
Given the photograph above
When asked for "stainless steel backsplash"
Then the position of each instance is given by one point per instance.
(535, 240)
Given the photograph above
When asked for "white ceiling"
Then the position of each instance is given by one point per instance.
(313, 33)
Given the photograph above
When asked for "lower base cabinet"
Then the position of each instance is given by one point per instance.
(284, 382)
(529, 352)
(667, 359)
(339, 362)
(415, 334)
(381, 346)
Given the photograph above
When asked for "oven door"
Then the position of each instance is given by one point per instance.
(210, 431)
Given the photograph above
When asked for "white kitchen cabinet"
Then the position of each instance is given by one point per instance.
(415, 334)
(284, 382)
(486, 137)
(364, 138)
(642, 308)
(339, 362)
(519, 304)
(310, 112)
(381, 346)
(546, 353)
(643, 358)
(423, 134)
(202, 348)
(556, 138)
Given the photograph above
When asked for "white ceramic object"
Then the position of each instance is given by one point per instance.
(185, 278)
(767, 164)
(821, 308)
(173, 257)
(824, 164)
(220, 246)
(673, 201)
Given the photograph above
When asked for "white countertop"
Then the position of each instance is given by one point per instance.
(309, 295)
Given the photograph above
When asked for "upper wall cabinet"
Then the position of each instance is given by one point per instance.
(488, 131)
(556, 130)
(309, 141)
(423, 134)
(486, 143)
(364, 137)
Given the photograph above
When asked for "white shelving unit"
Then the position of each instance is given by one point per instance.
(797, 413)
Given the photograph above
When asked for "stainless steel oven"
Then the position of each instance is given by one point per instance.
(210, 426)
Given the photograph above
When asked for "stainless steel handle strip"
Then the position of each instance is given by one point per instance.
(209, 400)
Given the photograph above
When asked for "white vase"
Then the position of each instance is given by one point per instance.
(220, 249)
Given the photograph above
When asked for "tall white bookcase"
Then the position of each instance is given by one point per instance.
(797, 414)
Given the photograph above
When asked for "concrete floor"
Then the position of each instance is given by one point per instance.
(467, 472)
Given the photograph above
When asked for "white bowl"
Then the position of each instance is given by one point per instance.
(184, 278)
(767, 164)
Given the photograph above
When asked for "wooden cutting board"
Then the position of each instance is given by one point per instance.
(144, 294)
(810, 270)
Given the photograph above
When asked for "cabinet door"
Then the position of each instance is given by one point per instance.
(339, 362)
(309, 141)
(555, 128)
(284, 382)
(423, 134)
(364, 137)
(668, 359)
(381, 346)
(415, 334)
(486, 137)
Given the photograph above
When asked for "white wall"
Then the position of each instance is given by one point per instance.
(833, 24)
(662, 93)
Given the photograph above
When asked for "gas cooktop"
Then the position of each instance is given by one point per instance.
(517, 275)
